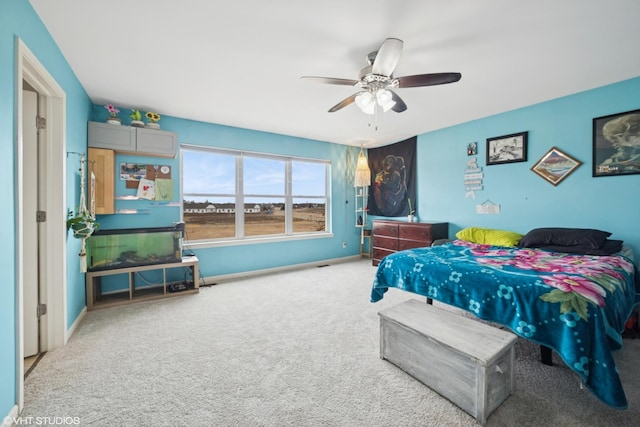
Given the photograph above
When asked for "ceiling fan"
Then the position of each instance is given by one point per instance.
(377, 81)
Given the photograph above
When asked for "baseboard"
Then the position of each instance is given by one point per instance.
(75, 325)
(212, 280)
(11, 417)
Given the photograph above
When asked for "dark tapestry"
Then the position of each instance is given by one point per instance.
(393, 170)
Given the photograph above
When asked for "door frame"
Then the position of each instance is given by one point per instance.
(54, 264)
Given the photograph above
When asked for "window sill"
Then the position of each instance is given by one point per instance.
(202, 244)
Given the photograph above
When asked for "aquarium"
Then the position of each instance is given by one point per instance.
(110, 249)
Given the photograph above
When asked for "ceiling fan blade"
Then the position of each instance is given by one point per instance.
(428, 79)
(400, 105)
(345, 102)
(331, 80)
(387, 57)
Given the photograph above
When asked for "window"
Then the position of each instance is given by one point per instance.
(278, 196)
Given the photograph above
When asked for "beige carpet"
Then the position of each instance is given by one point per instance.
(299, 348)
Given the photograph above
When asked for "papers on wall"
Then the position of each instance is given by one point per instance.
(164, 189)
(147, 189)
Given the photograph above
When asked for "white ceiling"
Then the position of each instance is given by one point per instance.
(239, 62)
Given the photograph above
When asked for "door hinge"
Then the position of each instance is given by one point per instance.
(41, 123)
(41, 216)
(42, 309)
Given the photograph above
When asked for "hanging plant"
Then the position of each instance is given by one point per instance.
(82, 222)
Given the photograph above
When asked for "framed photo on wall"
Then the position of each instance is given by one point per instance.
(616, 144)
(555, 166)
(507, 149)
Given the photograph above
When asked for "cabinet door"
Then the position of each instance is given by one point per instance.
(156, 142)
(113, 137)
(102, 164)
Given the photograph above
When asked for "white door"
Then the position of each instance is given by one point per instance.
(30, 191)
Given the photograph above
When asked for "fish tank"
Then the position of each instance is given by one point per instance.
(132, 247)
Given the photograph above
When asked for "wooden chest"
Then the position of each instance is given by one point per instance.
(466, 361)
(392, 236)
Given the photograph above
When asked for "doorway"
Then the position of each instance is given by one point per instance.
(51, 251)
(33, 188)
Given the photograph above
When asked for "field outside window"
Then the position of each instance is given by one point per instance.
(279, 196)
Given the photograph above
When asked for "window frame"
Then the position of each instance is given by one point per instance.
(240, 197)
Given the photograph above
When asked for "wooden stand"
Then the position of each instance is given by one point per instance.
(95, 298)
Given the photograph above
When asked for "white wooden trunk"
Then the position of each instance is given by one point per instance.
(466, 361)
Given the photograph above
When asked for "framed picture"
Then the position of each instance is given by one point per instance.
(616, 144)
(472, 149)
(555, 166)
(507, 149)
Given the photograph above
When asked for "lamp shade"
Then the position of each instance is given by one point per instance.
(366, 102)
(363, 173)
(385, 99)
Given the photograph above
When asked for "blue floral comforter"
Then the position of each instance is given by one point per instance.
(575, 304)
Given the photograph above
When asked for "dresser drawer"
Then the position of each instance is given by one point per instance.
(411, 244)
(385, 242)
(379, 253)
(385, 229)
(417, 232)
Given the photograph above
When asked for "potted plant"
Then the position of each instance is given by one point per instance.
(82, 223)
(136, 119)
(154, 118)
(113, 115)
(412, 211)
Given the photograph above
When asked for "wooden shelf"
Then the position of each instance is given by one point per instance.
(96, 299)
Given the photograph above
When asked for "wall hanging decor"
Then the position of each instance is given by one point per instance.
(472, 149)
(555, 166)
(394, 179)
(507, 149)
(616, 144)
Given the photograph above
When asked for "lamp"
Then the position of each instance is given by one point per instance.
(363, 173)
(362, 182)
(367, 100)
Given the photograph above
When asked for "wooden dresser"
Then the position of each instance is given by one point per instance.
(393, 236)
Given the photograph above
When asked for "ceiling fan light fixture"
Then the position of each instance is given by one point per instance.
(385, 99)
(366, 102)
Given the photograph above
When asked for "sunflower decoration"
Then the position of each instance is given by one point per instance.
(153, 117)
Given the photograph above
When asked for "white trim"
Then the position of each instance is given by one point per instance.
(12, 415)
(212, 280)
(75, 325)
(54, 276)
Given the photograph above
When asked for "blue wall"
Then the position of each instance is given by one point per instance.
(18, 19)
(242, 258)
(527, 201)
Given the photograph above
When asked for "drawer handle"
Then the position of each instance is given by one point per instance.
(501, 368)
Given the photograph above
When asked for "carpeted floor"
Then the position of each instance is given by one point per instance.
(299, 348)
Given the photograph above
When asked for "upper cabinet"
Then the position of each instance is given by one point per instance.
(133, 140)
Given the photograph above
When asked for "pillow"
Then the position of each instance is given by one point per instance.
(609, 247)
(586, 237)
(487, 236)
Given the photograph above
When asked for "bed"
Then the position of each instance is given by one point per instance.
(575, 304)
